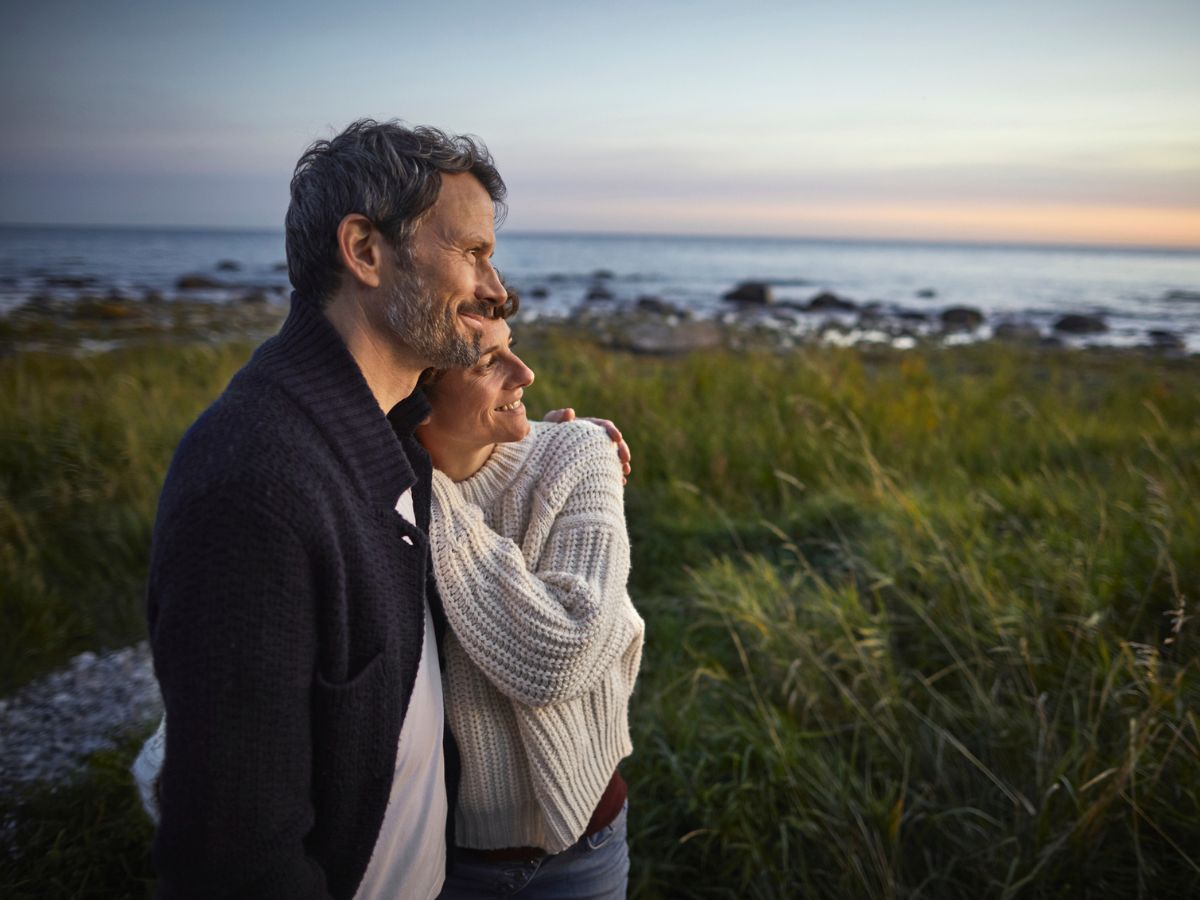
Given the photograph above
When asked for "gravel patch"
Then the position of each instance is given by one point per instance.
(50, 727)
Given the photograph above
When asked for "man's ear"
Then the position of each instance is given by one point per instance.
(361, 248)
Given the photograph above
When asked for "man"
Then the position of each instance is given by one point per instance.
(291, 631)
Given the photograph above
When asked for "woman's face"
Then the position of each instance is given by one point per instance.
(481, 405)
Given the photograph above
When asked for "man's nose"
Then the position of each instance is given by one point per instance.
(490, 287)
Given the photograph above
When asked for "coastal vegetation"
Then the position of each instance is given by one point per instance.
(919, 624)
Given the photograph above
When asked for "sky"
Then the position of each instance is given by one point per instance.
(1063, 121)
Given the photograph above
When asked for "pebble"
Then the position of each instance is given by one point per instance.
(51, 726)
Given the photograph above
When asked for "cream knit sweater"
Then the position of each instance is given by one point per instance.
(531, 557)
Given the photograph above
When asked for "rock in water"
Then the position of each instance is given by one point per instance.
(961, 318)
(197, 283)
(826, 301)
(657, 305)
(1017, 332)
(229, 265)
(750, 292)
(1074, 323)
(1161, 339)
(926, 293)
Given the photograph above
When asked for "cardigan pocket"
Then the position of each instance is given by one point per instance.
(337, 691)
(351, 726)
(354, 740)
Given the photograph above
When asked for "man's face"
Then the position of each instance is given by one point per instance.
(438, 306)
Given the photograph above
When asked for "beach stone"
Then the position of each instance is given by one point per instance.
(657, 305)
(1161, 339)
(827, 301)
(750, 292)
(50, 726)
(196, 282)
(43, 305)
(69, 281)
(112, 307)
(1017, 332)
(658, 337)
(961, 318)
(926, 293)
(911, 315)
(1080, 324)
(229, 265)
(599, 292)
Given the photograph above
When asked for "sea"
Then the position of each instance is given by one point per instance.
(1142, 296)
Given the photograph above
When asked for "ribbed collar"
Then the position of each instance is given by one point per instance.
(309, 361)
(410, 412)
(500, 469)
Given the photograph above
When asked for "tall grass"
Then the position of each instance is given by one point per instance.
(84, 445)
(919, 625)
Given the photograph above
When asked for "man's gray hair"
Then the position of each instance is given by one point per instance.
(386, 171)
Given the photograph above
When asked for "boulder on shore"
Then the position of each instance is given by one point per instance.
(70, 281)
(1161, 339)
(827, 301)
(657, 337)
(195, 282)
(599, 292)
(961, 318)
(1074, 323)
(750, 292)
(1017, 332)
(657, 305)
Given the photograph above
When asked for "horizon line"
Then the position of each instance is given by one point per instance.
(1032, 244)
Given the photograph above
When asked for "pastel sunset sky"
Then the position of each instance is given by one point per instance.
(1066, 121)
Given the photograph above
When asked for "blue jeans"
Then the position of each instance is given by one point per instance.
(593, 868)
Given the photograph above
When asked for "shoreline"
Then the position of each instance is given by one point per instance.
(89, 324)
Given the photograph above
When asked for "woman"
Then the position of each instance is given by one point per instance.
(531, 558)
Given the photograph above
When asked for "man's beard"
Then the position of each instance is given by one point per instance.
(427, 325)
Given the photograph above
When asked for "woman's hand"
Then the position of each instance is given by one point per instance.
(614, 434)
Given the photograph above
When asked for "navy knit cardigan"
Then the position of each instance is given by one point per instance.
(286, 619)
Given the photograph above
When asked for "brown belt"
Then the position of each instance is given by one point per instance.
(607, 809)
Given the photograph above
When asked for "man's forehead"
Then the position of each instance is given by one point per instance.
(462, 193)
(463, 210)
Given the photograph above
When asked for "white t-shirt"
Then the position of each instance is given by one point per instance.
(409, 860)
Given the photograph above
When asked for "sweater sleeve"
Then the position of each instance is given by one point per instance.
(546, 632)
(232, 627)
